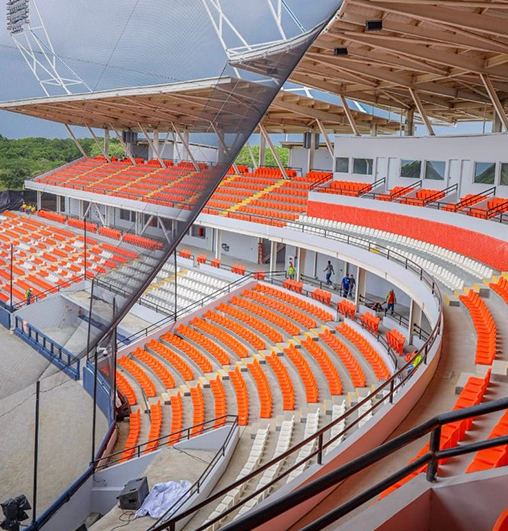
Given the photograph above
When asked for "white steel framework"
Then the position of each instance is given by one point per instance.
(32, 40)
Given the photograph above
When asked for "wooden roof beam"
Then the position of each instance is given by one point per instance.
(421, 111)
(495, 100)
(349, 115)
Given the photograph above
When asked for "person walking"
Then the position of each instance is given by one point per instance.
(390, 302)
(352, 284)
(329, 272)
(28, 295)
(345, 286)
(291, 271)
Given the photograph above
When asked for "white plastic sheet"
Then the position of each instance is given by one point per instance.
(162, 497)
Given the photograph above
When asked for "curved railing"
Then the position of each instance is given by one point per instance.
(386, 391)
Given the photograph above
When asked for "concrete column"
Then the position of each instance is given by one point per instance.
(361, 284)
(186, 137)
(155, 144)
(415, 318)
(273, 256)
(81, 210)
(262, 150)
(497, 126)
(217, 240)
(410, 122)
(314, 265)
(106, 141)
(373, 130)
(311, 152)
(138, 226)
(39, 201)
(107, 215)
(300, 263)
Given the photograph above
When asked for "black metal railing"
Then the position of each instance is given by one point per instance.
(332, 479)
(400, 193)
(320, 182)
(466, 202)
(105, 461)
(438, 194)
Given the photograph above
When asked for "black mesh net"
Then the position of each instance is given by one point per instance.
(134, 43)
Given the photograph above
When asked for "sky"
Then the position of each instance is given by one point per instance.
(124, 43)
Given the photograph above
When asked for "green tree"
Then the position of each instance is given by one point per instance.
(244, 157)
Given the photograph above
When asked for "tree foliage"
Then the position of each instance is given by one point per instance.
(245, 158)
(25, 158)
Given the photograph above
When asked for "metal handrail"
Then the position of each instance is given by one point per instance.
(321, 181)
(332, 479)
(434, 197)
(464, 203)
(394, 384)
(401, 319)
(173, 437)
(402, 192)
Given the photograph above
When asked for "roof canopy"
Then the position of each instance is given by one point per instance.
(449, 56)
(193, 105)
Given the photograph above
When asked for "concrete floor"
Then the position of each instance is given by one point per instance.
(169, 465)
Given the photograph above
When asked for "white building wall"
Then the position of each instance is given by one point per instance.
(459, 152)
(299, 158)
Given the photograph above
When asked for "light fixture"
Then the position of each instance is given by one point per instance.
(340, 51)
(373, 25)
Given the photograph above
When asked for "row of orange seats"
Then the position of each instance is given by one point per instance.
(370, 322)
(283, 323)
(273, 172)
(393, 194)
(239, 269)
(215, 262)
(157, 367)
(133, 437)
(293, 285)
(501, 288)
(139, 375)
(110, 233)
(53, 216)
(240, 167)
(322, 296)
(176, 419)
(294, 199)
(325, 363)
(268, 213)
(284, 381)
(274, 205)
(219, 397)
(347, 308)
(466, 201)
(229, 324)
(484, 325)
(174, 359)
(201, 259)
(306, 375)
(198, 406)
(141, 241)
(314, 176)
(367, 350)
(210, 346)
(492, 457)
(494, 207)
(155, 427)
(242, 396)
(351, 364)
(185, 253)
(220, 335)
(471, 395)
(422, 197)
(194, 354)
(126, 388)
(295, 301)
(243, 317)
(351, 188)
(280, 307)
(263, 387)
(396, 341)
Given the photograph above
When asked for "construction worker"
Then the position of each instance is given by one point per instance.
(291, 271)
(28, 295)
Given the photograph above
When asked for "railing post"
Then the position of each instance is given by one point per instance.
(435, 439)
(320, 449)
(391, 391)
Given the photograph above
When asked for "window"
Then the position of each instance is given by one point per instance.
(127, 215)
(411, 168)
(363, 166)
(504, 174)
(342, 165)
(435, 170)
(484, 172)
(198, 232)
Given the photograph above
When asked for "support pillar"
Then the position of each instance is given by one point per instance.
(262, 149)
(39, 201)
(312, 151)
(361, 284)
(497, 126)
(80, 209)
(273, 256)
(415, 318)
(410, 122)
(300, 262)
(106, 140)
(373, 130)
(138, 223)
(217, 243)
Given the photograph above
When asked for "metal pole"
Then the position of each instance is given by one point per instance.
(36, 449)
(10, 279)
(176, 306)
(84, 247)
(94, 412)
(114, 353)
